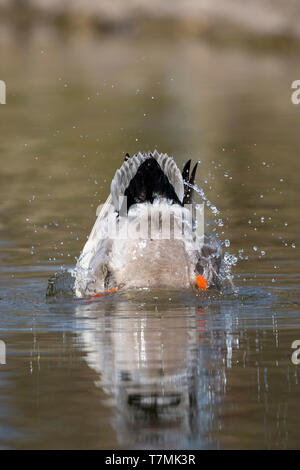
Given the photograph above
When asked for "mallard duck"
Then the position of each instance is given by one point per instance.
(146, 234)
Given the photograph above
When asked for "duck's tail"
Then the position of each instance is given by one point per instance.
(145, 177)
(148, 176)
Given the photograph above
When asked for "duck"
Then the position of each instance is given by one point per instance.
(147, 234)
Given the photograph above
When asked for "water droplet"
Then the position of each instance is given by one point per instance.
(230, 260)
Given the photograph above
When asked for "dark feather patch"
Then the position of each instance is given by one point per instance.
(148, 183)
(186, 171)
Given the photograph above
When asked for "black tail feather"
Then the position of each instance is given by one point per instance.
(149, 183)
(186, 171)
(190, 179)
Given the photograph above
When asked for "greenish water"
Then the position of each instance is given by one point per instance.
(156, 369)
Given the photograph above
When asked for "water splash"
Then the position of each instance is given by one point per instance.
(61, 284)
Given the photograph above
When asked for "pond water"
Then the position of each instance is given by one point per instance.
(136, 370)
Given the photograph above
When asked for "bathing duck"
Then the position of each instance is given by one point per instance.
(148, 233)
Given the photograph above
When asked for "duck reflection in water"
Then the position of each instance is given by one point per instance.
(151, 365)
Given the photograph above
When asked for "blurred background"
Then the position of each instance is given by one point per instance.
(88, 81)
